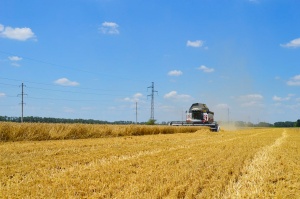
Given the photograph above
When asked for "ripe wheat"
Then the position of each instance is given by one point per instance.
(250, 163)
(41, 131)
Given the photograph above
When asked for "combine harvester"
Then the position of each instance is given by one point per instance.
(198, 115)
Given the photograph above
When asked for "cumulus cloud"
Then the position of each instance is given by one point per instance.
(68, 110)
(175, 96)
(66, 82)
(222, 106)
(21, 34)
(294, 81)
(109, 28)
(87, 108)
(15, 58)
(251, 100)
(135, 98)
(250, 97)
(15, 64)
(195, 44)
(206, 69)
(2, 95)
(280, 99)
(175, 73)
(292, 44)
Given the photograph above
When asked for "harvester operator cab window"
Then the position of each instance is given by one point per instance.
(197, 115)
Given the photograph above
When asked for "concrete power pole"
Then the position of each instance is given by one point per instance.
(152, 100)
(136, 113)
(228, 116)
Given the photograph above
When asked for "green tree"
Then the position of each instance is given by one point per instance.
(297, 124)
(151, 122)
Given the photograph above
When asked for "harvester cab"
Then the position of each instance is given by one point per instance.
(199, 113)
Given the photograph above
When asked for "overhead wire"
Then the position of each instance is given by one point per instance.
(68, 91)
(71, 68)
(58, 65)
(81, 88)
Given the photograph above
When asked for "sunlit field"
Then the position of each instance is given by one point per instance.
(248, 163)
(44, 131)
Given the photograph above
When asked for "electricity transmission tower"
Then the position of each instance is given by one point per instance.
(22, 102)
(152, 100)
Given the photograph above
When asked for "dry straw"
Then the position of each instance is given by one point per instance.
(41, 131)
(249, 163)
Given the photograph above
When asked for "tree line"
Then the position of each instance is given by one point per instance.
(59, 120)
(265, 124)
(92, 121)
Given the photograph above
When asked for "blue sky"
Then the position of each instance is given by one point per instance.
(95, 59)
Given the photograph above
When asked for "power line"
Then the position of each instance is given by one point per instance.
(80, 88)
(69, 100)
(120, 76)
(61, 91)
(9, 84)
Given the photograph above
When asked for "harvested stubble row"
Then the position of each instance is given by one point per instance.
(251, 163)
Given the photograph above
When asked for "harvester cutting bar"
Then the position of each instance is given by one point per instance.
(213, 126)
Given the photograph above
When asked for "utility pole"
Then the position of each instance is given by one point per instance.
(152, 100)
(228, 115)
(22, 102)
(135, 112)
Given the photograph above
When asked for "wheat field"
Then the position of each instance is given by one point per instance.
(248, 163)
(44, 131)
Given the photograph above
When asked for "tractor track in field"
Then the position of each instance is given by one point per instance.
(118, 158)
(252, 178)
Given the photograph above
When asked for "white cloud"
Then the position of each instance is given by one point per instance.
(68, 110)
(2, 95)
(206, 69)
(21, 34)
(252, 104)
(195, 44)
(135, 98)
(254, 1)
(292, 44)
(280, 99)
(276, 98)
(15, 58)
(109, 28)
(222, 106)
(15, 64)
(175, 73)
(66, 82)
(87, 108)
(174, 95)
(294, 81)
(251, 100)
(250, 97)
